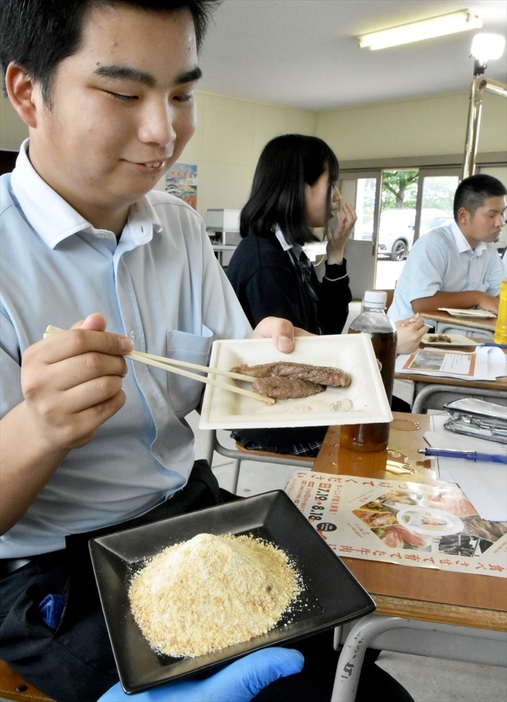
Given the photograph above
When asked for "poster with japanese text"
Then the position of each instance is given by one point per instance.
(181, 180)
(413, 524)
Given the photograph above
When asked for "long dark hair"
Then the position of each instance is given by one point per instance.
(285, 165)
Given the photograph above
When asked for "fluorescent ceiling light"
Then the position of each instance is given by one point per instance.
(487, 47)
(425, 29)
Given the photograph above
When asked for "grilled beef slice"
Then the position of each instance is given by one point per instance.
(323, 375)
(283, 388)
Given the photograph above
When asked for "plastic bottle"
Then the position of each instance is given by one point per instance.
(500, 336)
(374, 321)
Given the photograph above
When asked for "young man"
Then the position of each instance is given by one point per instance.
(457, 265)
(88, 443)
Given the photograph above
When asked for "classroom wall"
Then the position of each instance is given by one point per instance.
(231, 133)
(431, 126)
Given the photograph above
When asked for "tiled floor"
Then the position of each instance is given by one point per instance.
(427, 679)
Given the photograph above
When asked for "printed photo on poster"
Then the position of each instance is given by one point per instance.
(181, 180)
(413, 524)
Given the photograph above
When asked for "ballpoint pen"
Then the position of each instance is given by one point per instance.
(492, 343)
(469, 455)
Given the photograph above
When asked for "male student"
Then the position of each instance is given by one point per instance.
(457, 265)
(88, 443)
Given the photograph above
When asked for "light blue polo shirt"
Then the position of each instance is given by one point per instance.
(162, 286)
(443, 260)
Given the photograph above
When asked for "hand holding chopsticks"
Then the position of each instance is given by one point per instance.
(171, 366)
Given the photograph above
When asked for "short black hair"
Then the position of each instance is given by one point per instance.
(474, 190)
(39, 34)
(277, 197)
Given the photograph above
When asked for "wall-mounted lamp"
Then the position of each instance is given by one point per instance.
(486, 47)
(452, 23)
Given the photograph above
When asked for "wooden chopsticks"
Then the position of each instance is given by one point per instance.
(171, 366)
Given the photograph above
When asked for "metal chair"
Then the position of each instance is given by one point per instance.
(238, 453)
(417, 637)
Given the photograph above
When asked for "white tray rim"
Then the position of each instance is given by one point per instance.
(225, 410)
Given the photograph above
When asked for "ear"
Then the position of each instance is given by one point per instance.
(464, 216)
(22, 91)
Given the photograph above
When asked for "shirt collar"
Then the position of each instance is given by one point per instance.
(284, 243)
(31, 190)
(462, 243)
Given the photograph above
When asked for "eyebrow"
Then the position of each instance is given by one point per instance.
(127, 73)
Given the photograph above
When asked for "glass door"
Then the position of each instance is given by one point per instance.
(396, 224)
(414, 201)
(394, 208)
(362, 189)
(435, 199)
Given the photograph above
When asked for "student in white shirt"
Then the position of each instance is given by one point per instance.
(457, 265)
(88, 443)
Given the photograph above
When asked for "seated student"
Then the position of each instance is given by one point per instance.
(457, 265)
(88, 444)
(294, 191)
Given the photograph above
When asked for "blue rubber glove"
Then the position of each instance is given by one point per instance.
(238, 682)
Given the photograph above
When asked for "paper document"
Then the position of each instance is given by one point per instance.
(395, 521)
(457, 312)
(484, 483)
(485, 363)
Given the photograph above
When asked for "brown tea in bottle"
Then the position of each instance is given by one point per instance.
(382, 331)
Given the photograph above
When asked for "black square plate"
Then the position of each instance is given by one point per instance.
(331, 594)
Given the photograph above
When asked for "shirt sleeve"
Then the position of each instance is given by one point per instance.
(10, 362)
(429, 259)
(222, 311)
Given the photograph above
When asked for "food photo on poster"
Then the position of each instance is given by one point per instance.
(425, 525)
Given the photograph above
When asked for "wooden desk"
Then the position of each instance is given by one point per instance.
(484, 324)
(418, 593)
(419, 610)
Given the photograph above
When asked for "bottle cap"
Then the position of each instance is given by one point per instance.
(375, 298)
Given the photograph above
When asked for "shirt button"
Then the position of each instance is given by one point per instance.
(153, 402)
(132, 334)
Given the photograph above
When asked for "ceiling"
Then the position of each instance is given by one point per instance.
(304, 53)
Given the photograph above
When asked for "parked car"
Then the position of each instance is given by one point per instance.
(396, 234)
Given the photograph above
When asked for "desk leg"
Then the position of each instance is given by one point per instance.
(352, 654)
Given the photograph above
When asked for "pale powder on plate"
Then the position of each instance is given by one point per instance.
(211, 592)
